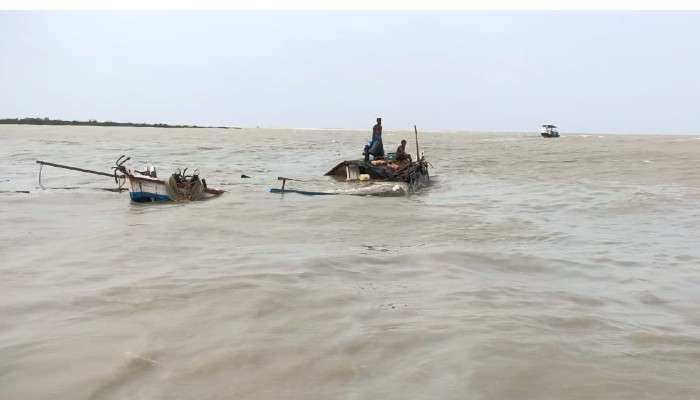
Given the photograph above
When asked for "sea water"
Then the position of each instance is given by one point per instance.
(531, 268)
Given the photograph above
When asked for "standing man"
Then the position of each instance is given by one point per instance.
(375, 147)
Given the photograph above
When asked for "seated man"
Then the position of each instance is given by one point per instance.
(401, 152)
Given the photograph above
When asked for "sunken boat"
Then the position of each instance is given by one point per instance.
(386, 176)
(413, 173)
(145, 186)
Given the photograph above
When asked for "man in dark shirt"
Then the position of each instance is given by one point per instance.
(377, 129)
(401, 152)
(376, 147)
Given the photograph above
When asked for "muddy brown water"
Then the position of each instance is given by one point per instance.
(532, 268)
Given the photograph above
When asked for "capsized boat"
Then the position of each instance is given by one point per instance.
(413, 173)
(146, 187)
(382, 177)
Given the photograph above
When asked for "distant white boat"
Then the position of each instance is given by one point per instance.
(549, 131)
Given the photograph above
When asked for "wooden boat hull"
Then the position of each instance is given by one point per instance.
(144, 189)
(147, 190)
(415, 174)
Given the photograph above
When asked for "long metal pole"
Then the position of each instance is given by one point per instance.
(89, 171)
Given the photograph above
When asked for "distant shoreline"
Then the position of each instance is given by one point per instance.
(92, 122)
(59, 122)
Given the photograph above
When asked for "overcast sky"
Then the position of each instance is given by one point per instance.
(613, 72)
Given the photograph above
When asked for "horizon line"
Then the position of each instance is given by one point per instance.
(260, 126)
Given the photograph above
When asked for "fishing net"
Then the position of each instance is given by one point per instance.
(184, 190)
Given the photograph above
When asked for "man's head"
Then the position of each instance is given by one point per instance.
(379, 121)
(403, 143)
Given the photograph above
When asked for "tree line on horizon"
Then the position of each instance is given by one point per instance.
(92, 122)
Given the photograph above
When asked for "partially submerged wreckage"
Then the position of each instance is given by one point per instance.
(398, 177)
(413, 173)
(379, 177)
(145, 186)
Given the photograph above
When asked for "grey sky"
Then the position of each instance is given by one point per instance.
(495, 71)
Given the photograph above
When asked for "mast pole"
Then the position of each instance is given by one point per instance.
(417, 152)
